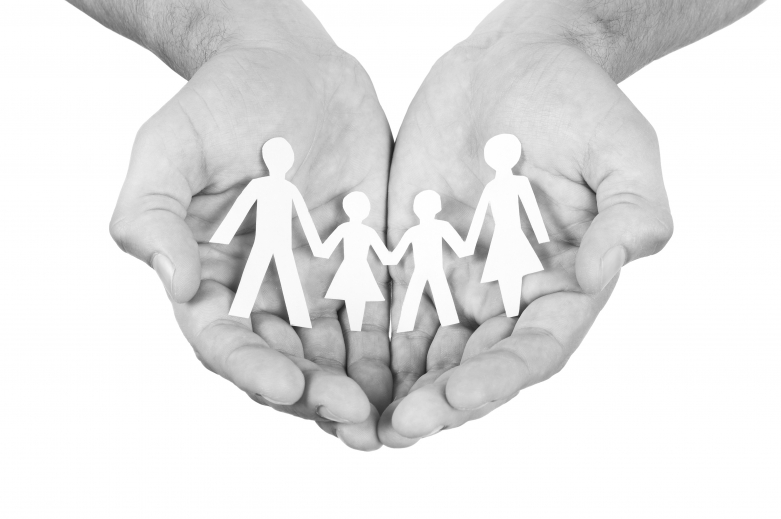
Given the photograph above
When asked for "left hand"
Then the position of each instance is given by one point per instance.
(593, 161)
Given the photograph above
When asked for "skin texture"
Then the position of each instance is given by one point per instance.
(545, 71)
(589, 139)
(189, 163)
(593, 161)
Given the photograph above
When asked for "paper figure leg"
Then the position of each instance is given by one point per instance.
(443, 299)
(297, 312)
(511, 295)
(355, 311)
(251, 279)
(409, 308)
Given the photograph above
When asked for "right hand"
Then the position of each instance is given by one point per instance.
(189, 163)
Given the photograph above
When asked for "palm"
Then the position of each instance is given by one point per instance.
(572, 120)
(210, 135)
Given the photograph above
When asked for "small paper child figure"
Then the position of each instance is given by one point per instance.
(354, 282)
(510, 255)
(275, 198)
(426, 239)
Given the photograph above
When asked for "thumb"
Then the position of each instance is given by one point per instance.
(633, 221)
(149, 220)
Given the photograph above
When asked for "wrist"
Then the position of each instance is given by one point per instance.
(622, 36)
(186, 35)
(602, 30)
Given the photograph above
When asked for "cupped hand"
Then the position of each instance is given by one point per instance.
(189, 163)
(593, 162)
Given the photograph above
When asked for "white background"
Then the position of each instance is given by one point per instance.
(669, 409)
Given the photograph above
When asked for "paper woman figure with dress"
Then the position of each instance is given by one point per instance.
(510, 256)
(354, 282)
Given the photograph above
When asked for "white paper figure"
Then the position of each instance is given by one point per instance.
(510, 256)
(275, 199)
(354, 282)
(426, 239)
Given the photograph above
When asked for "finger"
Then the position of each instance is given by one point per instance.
(487, 335)
(546, 334)
(149, 218)
(335, 396)
(409, 352)
(368, 354)
(500, 327)
(277, 333)
(426, 411)
(326, 396)
(361, 436)
(634, 217)
(228, 347)
(387, 434)
(444, 353)
(447, 347)
(546, 282)
(410, 349)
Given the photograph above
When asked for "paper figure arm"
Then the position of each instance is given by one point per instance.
(401, 248)
(230, 225)
(329, 245)
(310, 231)
(477, 222)
(379, 247)
(532, 209)
(459, 246)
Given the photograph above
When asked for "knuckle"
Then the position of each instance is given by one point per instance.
(543, 355)
(661, 231)
(118, 231)
(204, 362)
(145, 135)
(235, 358)
(650, 134)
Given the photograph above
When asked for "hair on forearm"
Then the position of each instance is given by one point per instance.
(182, 33)
(624, 36)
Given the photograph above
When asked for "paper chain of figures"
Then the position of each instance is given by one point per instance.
(510, 255)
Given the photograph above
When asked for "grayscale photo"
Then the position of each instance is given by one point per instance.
(420, 258)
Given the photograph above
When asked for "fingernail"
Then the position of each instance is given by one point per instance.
(612, 262)
(275, 402)
(473, 408)
(328, 415)
(165, 271)
(435, 431)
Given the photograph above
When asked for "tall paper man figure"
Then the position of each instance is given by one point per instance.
(510, 255)
(354, 282)
(275, 199)
(426, 239)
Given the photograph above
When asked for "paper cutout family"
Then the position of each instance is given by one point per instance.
(510, 255)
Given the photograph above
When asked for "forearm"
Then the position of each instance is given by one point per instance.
(622, 36)
(186, 33)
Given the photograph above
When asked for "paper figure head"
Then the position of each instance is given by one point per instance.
(357, 206)
(278, 156)
(503, 152)
(427, 204)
